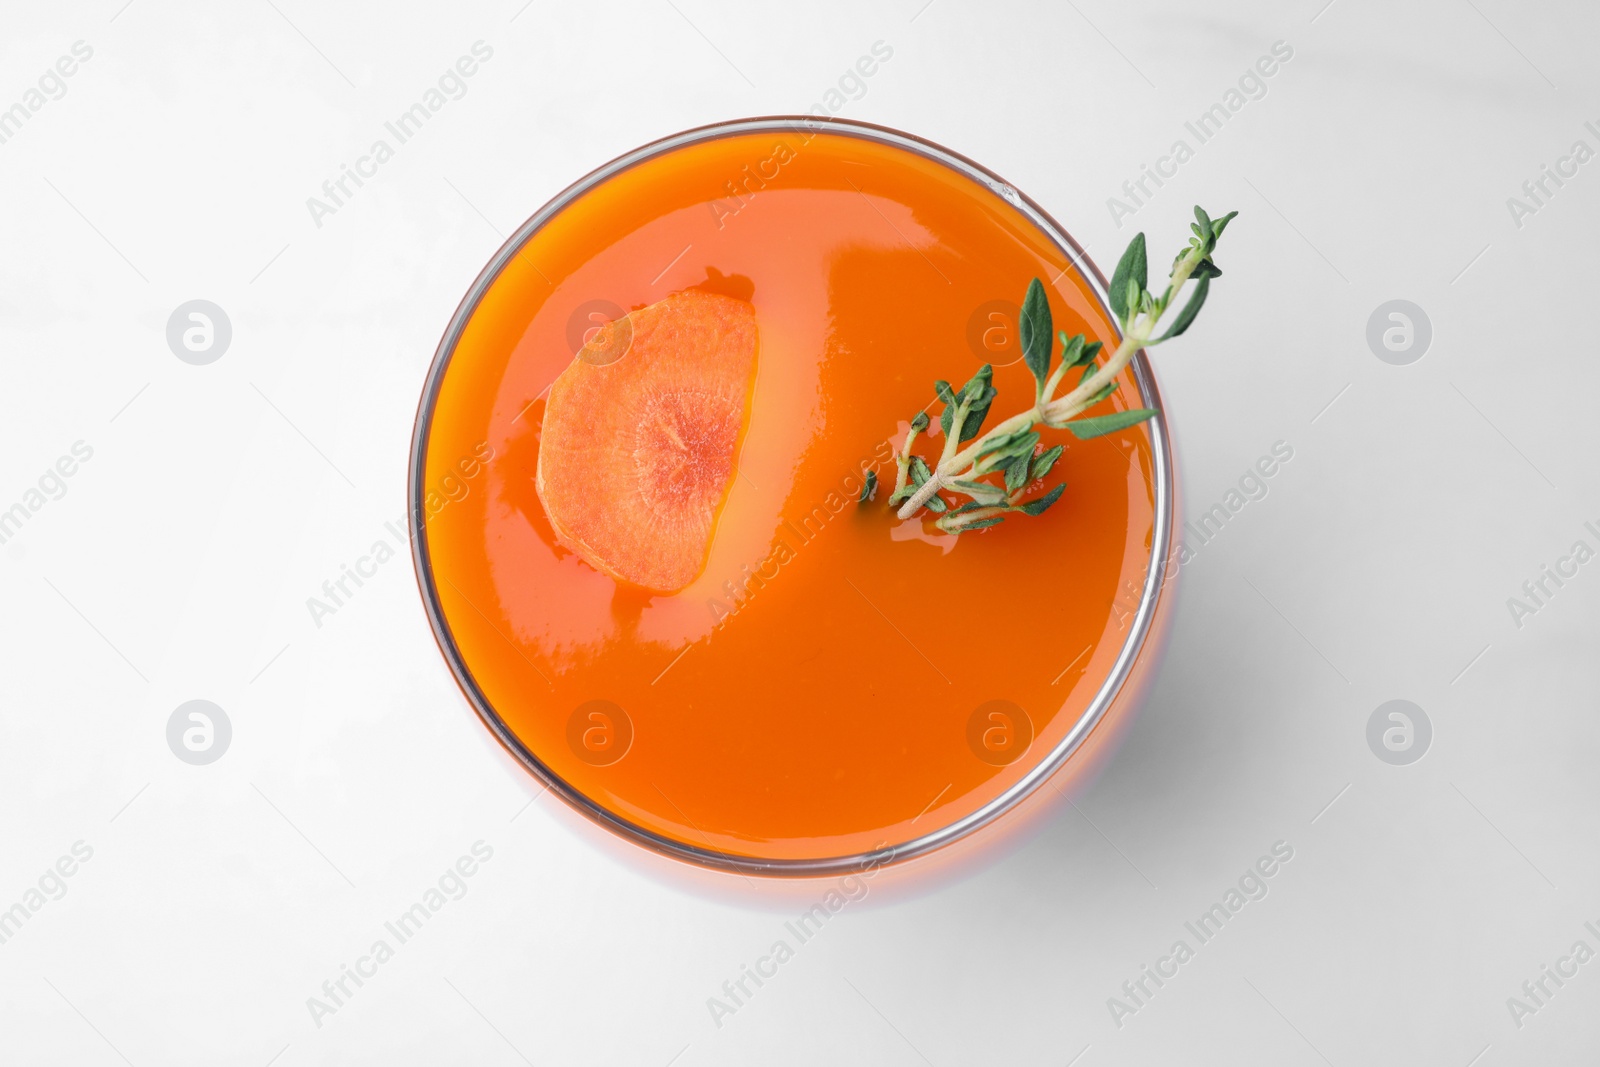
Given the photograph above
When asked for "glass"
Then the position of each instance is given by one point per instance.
(473, 443)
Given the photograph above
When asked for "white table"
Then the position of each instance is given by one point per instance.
(176, 163)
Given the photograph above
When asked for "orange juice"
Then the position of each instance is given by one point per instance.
(834, 681)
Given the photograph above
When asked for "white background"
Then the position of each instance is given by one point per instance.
(177, 565)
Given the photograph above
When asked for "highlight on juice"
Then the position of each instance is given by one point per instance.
(828, 501)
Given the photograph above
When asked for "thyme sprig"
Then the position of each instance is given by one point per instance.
(996, 470)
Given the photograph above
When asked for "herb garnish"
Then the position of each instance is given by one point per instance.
(1009, 449)
(869, 488)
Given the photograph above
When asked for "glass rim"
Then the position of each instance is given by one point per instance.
(1044, 768)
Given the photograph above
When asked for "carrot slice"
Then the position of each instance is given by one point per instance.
(637, 451)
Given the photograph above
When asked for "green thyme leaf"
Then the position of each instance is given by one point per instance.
(978, 394)
(870, 489)
(946, 396)
(977, 383)
(1100, 425)
(936, 504)
(992, 462)
(1041, 505)
(1101, 394)
(985, 463)
(1129, 279)
(982, 492)
(919, 422)
(1034, 328)
(1024, 443)
(967, 519)
(1218, 225)
(975, 417)
(1045, 460)
(1072, 349)
(1190, 310)
(1020, 444)
(1005, 441)
(1017, 474)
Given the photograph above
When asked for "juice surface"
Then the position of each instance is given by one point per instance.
(819, 690)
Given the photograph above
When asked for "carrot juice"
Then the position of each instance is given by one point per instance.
(823, 680)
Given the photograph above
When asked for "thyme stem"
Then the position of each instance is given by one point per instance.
(1138, 313)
